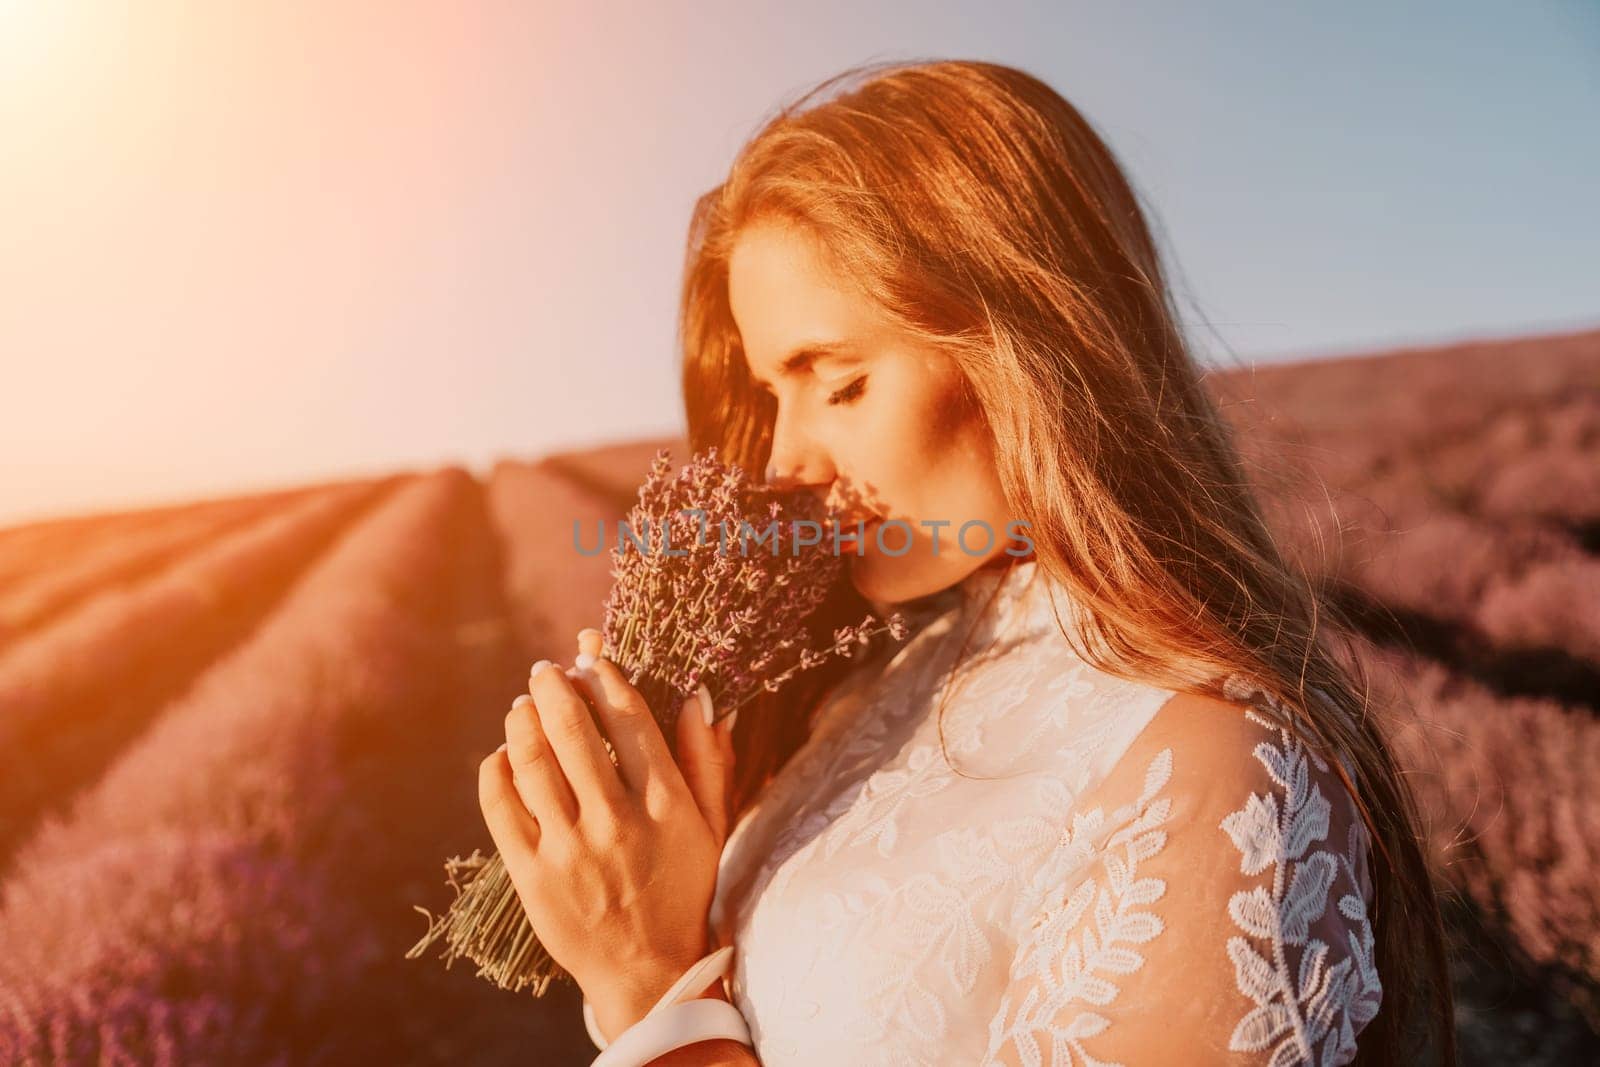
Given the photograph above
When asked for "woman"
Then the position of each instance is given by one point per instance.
(1117, 798)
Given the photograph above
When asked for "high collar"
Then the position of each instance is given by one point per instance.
(1008, 578)
(1003, 592)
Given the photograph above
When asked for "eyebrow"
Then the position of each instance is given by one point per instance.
(802, 357)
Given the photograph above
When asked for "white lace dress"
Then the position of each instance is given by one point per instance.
(1099, 879)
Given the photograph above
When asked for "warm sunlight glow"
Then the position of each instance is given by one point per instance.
(32, 33)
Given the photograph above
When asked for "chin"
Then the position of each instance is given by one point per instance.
(887, 580)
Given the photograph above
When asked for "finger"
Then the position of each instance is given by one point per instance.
(725, 735)
(535, 771)
(575, 739)
(642, 753)
(590, 642)
(515, 831)
(705, 760)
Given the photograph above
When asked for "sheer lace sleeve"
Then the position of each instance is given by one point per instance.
(1207, 905)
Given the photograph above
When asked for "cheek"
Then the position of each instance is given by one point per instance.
(927, 459)
(952, 414)
(948, 431)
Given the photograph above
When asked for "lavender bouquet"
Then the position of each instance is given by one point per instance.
(706, 589)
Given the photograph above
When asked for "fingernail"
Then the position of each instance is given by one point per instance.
(583, 661)
(727, 723)
(705, 703)
(537, 667)
(522, 701)
(502, 747)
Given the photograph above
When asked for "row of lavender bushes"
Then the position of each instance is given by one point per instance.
(73, 693)
(240, 884)
(212, 897)
(31, 548)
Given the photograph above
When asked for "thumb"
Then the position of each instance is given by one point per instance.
(706, 760)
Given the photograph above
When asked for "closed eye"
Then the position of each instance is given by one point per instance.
(849, 392)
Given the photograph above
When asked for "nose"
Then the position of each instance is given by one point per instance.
(788, 476)
(795, 460)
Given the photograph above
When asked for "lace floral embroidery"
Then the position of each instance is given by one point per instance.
(1067, 969)
(1010, 917)
(1309, 1003)
(1297, 1008)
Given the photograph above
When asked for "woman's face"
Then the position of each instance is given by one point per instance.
(868, 419)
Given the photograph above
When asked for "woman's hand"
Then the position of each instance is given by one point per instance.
(615, 865)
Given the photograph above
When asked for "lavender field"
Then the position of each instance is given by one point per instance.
(239, 738)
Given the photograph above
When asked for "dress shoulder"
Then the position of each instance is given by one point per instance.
(1223, 915)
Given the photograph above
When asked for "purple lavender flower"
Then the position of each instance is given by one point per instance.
(727, 606)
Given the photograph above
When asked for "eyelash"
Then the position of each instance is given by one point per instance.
(849, 392)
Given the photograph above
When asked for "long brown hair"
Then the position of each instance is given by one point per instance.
(986, 217)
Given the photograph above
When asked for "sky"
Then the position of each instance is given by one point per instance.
(266, 243)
